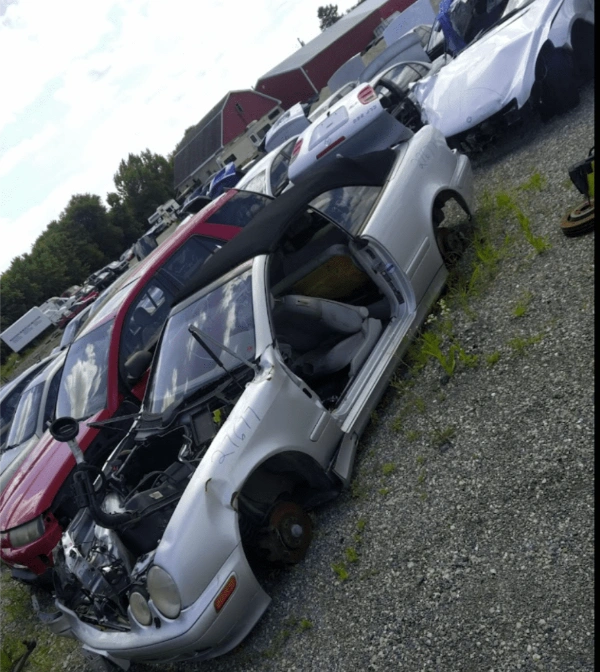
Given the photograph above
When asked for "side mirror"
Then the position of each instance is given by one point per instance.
(136, 365)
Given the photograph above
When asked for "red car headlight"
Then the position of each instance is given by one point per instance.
(25, 534)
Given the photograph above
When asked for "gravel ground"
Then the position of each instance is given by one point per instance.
(467, 535)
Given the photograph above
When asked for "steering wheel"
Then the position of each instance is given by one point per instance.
(397, 94)
(402, 107)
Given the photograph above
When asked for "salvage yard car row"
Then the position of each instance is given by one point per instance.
(218, 391)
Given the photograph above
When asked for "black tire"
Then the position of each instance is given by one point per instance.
(558, 82)
(582, 39)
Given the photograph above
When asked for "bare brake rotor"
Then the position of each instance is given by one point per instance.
(451, 243)
(288, 534)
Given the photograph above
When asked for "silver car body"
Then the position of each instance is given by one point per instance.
(499, 67)
(269, 175)
(278, 415)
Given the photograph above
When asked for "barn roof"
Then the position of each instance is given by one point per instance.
(210, 135)
(325, 39)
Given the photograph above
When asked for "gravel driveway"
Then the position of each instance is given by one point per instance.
(466, 541)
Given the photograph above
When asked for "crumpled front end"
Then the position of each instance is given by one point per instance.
(484, 78)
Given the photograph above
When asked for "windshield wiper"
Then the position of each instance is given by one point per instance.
(200, 336)
(98, 424)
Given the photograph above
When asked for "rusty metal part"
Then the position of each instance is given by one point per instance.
(288, 534)
(580, 220)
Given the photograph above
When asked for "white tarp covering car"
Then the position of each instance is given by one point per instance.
(266, 374)
(510, 54)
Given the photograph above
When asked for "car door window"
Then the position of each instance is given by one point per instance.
(347, 206)
(258, 183)
(189, 257)
(151, 308)
(279, 168)
(144, 320)
(240, 209)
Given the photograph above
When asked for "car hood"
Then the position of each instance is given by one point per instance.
(39, 475)
(486, 76)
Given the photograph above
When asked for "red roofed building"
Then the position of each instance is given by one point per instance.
(231, 131)
(303, 74)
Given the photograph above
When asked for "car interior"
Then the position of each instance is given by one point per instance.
(327, 312)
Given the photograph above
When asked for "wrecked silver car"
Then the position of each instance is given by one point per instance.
(265, 375)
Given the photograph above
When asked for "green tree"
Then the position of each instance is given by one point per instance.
(120, 215)
(143, 182)
(327, 15)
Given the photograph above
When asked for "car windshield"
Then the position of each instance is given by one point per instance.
(468, 20)
(83, 383)
(183, 366)
(25, 420)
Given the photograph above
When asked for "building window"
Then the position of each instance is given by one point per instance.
(274, 114)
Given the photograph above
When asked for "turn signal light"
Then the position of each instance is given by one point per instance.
(225, 594)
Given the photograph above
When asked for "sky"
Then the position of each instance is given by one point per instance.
(84, 84)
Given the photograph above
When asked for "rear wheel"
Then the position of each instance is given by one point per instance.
(558, 82)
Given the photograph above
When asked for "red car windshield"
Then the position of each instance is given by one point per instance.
(84, 379)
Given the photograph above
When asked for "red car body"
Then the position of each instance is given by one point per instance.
(76, 308)
(32, 492)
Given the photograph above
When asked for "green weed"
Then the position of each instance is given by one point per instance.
(397, 424)
(535, 183)
(351, 554)
(340, 569)
(440, 436)
(384, 491)
(388, 468)
(520, 344)
(361, 523)
(523, 304)
(413, 435)
(492, 358)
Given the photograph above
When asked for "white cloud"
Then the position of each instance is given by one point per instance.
(97, 81)
(26, 149)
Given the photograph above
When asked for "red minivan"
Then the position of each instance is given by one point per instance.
(102, 384)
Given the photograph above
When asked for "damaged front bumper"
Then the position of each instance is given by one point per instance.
(199, 632)
(482, 134)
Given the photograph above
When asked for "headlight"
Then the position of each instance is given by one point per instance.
(164, 592)
(25, 534)
(139, 608)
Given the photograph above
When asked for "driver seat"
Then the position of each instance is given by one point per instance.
(325, 336)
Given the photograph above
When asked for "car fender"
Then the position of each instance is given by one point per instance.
(426, 167)
(205, 522)
(562, 23)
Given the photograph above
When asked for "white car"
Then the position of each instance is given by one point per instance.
(269, 175)
(265, 375)
(515, 54)
(361, 118)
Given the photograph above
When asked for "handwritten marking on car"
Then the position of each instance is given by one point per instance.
(423, 158)
(249, 418)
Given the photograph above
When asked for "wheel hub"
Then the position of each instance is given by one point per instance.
(288, 534)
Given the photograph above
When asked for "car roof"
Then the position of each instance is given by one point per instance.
(265, 231)
(148, 266)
